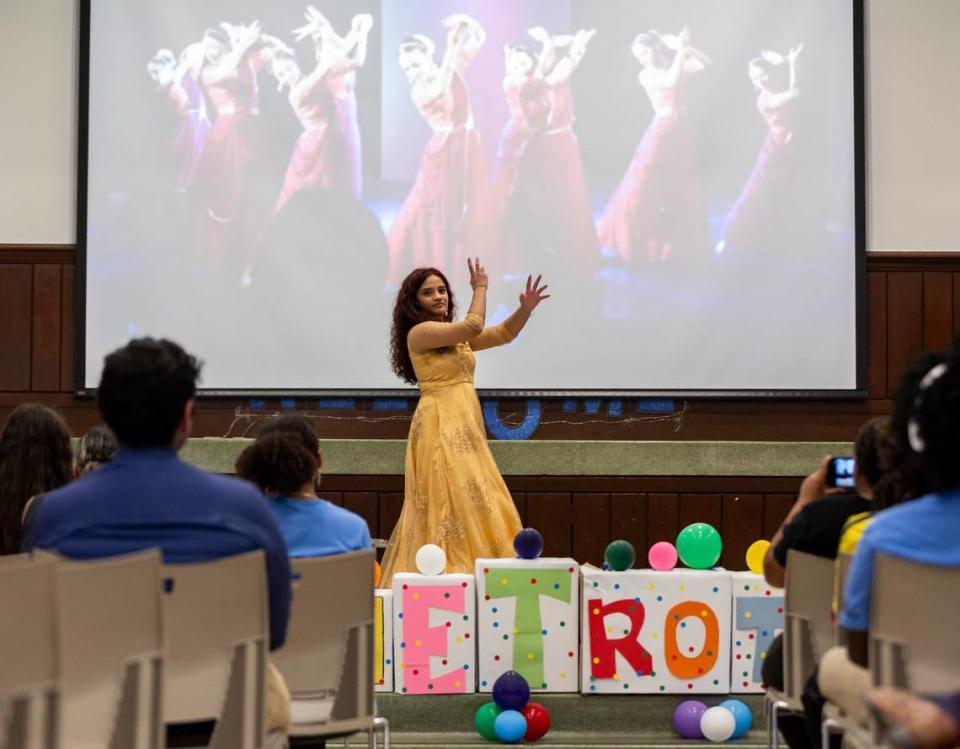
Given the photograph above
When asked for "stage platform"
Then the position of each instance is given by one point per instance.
(577, 720)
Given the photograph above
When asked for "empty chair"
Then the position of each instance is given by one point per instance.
(217, 629)
(110, 650)
(913, 614)
(27, 656)
(807, 629)
(327, 660)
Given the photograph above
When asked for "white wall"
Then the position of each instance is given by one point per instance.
(913, 109)
(38, 121)
(914, 121)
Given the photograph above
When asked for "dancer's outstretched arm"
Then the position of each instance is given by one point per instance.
(501, 334)
(793, 91)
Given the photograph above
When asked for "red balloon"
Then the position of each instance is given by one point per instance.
(538, 721)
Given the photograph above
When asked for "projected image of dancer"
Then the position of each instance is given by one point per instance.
(539, 200)
(454, 495)
(343, 55)
(658, 208)
(178, 81)
(755, 217)
(233, 55)
(439, 221)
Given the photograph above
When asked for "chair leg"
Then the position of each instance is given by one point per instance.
(381, 722)
(825, 727)
(774, 732)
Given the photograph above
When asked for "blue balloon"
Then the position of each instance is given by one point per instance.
(528, 543)
(741, 715)
(511, 691)
(510, 726)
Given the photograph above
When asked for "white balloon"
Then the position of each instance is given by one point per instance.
(431, 560)
(718, 724)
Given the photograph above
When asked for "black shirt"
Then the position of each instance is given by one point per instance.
(817, 528)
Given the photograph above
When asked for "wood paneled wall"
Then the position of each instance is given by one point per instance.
(913, 304)
(579, 516)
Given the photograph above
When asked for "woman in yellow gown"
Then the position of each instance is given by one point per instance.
(454, 495)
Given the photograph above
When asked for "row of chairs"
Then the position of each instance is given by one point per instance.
(911, 646)
(107, 654)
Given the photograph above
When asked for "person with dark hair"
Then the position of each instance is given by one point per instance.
(925, 417)
(285, 469)
(146, 497)
(454, 495)
(98, 446)
(35, 457)
(820, 521)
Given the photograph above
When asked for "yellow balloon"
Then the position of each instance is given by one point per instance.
(755, 555)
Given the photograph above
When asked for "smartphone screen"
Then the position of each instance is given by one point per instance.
(840, 473)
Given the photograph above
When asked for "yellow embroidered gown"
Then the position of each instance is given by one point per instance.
(454, 495)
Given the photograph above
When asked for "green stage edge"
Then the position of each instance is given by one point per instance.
(560, 457)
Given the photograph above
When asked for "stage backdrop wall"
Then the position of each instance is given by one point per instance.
(911, 166)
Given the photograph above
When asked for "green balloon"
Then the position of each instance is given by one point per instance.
(484, 719)
(620, 555)
(699, 546)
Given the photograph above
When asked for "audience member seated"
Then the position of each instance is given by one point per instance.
(925, 419)
(35, 457)
(814, 525)
(286, 471)
(98, 446)
(909, 721)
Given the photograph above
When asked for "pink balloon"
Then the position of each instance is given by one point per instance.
(662, 556)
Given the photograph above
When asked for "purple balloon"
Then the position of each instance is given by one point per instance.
(511, 691)
(686, 719)
(528, 543)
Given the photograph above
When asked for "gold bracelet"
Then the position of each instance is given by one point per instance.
(480, 286)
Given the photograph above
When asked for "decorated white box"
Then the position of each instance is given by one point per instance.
(434, 644)
(383, 640)
(756, 619)
(528, 621)
(655, 632)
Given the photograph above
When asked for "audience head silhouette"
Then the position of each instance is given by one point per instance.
(279, 464)
(35, 457)
(98, 445)
(146, 393)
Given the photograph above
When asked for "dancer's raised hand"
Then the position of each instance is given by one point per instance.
(478, 274)
(533, 294)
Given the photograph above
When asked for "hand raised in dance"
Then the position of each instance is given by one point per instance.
(794, 53)
(533, 294)
(478, 274)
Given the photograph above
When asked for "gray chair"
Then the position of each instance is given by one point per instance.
(217, 629)
(807, 631)
(28, 677)
(327, 660)
(109, 641)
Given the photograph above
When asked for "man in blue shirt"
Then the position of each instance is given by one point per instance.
(147, 497)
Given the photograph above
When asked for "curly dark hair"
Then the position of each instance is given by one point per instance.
(143, 390)
(407, 312)
(296, 425)
(934, 410)
(278, 463)
(97, 446)
(885, 466)
(35, 457)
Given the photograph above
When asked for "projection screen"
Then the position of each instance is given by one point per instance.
(258, 177)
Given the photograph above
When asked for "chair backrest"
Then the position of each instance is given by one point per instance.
(110, 651)
(913, 613)
(28, 680)
(841, 570)
(216, 624)
(807, 621)
(328, 655)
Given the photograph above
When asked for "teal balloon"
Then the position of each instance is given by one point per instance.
(484, 720)
(620, 555)
(741, 715)
(699, 546)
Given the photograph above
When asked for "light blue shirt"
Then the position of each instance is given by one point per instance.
(318, 528)
(925, 530)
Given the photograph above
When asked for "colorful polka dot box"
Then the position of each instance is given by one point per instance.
(757, 619)
(383, 640)
(434, 640)
(655, 632)
(528, 621)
